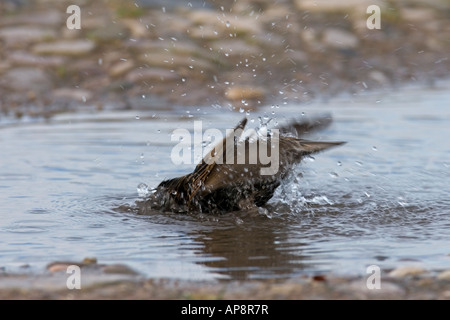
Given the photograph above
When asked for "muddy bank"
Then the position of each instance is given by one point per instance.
(132, 55)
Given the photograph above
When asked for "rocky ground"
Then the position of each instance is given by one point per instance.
(120, 282)
(159, 54)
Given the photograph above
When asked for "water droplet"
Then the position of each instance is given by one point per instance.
(137, 117)
(143, 96)
(142, 189)
(159, 131)
(191, 67)
(311, 158)
(241, 110)
(374, 148)
(183, 79)
(263, 59)
(359, 163)
(227, 24)
(334, 174)
(339, 163)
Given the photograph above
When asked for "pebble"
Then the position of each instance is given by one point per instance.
(335, 6)
(235, 48)
(69, 48)
(404, 271)
(418, 14)
(339, 39)
(27, 79)
(151, 74)
(239, 93)
(444, 275)
(379, 77)
(227, 23)
(80, 95)
(25, 34)
(24, 58)
(120, 68)
(137, 29)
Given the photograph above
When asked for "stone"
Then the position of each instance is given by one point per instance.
(26, 79)
(205, 33)
(175, 61)
(418, 15)
(235, 47)
(444, 275)
(68, 48)
(137, 29)
(151, 74)
(48, 17)
(226, 23)
(379, 77)
(120, 68)
(80, 95)
(27, 59)
(339, 39)
(247, 93)
(26, 34)
(110, 30)
(119, 269)
(360, 290)
(404, 271)
(335, 6)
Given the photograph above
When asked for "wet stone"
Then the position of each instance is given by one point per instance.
(69, 48)
(405, 271)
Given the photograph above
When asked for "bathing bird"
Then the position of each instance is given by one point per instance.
(241, 171)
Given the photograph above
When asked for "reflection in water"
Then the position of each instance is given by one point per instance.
(258, 249)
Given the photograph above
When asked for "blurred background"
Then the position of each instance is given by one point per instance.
(154, 54)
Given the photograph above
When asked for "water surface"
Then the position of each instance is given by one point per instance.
(383, 198)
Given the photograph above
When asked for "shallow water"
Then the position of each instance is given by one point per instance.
(383, 198)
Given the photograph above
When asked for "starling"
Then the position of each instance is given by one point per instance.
(235, 174)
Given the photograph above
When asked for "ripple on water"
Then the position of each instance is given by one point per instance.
(30, 226)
